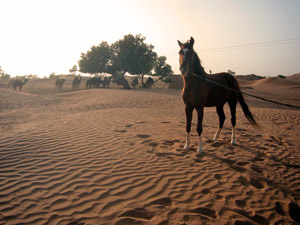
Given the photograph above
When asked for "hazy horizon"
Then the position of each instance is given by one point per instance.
(247, 37)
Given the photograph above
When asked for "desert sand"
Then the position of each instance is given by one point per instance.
(114, 156)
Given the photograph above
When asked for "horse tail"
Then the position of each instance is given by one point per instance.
(246, 110)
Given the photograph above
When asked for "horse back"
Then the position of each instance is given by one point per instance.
(210, 92)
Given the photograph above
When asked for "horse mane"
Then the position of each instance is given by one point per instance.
(199, 70)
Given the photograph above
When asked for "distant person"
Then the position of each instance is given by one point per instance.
(210, 71)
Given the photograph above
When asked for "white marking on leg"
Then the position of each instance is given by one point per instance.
(217, 135)
(188, 141)
(233, 136)
(200, 146)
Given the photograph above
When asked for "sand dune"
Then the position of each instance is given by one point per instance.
(295, 76)
(274, 82)
(113, 156)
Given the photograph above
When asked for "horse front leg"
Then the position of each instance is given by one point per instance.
(189, 116)
(199, 129)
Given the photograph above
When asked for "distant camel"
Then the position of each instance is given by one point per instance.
(167, 81)
(59, 84)
(89, 83)
(121, 81)
(76, 83)
(13, 84)
(149, 83)
(106, 82)
(19, 83)
(96, 82)
(93, 82)
(135, 82)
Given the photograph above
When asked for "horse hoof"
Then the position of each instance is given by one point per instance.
(199, 153)
(233, 142)
(200, 150)
(186, 147)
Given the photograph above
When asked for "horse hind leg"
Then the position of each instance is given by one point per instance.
(232, 106)
(222, 117)
(189, 116)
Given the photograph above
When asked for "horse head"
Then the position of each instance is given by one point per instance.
(186, 56)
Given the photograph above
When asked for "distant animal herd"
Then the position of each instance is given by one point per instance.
(14, 84)
(91, 83)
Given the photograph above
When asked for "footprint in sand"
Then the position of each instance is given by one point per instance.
(257, 183)
(205, 211)
(254, 159)
(218, 176)
(120, 131)
(240, 203)
(138, 213)
(205, 191)
(259, 157)
(243, 181)
(140, 122)
(238, 168)
(162, 201)
(217, 144)
(242, 163)
(171, 142)
(256, 217)
(143, 136)
(256, 169)
(153, 144)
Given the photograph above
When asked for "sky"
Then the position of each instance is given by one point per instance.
(260, 37)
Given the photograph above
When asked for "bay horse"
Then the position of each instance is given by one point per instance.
(208, 90)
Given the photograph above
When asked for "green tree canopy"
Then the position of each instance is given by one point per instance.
(96, 60)
(161, 68)
(133, 55)
(128, 55)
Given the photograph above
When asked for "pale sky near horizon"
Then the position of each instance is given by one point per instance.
(41, 37)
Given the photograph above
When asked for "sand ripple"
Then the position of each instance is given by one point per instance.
(117, 157)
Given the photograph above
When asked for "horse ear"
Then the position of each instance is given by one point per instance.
(180, 44)
(192, 41)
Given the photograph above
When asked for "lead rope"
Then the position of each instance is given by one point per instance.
(240, 92)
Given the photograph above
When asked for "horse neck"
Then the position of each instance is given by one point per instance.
(197, 68)
(192, 80)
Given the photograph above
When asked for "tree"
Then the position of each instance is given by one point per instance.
(52, 75)
(231, 72)
(161, 68)
(73, 69)
(96, 60)
(133, 55)
(3, 75)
